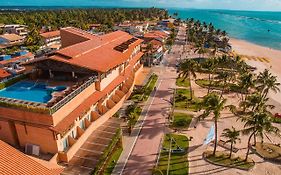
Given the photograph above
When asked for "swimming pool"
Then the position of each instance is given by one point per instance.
(30, 91)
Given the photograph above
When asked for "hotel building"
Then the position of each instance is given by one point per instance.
(69, 94)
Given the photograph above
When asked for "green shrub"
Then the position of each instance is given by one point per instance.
(107, 151)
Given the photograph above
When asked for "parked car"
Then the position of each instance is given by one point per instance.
(278, 115)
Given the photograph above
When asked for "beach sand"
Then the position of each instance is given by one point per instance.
(246, 48)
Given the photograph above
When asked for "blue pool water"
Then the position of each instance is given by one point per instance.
(30, 91)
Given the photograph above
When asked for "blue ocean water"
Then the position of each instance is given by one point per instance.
(262, 28)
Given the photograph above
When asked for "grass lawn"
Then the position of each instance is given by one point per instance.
(179, 161)
(142, 94)
(268, 151)
(217, 85)
(223, 159)
(113, 160)
(182, 83)
(181, 120)
(182, 100)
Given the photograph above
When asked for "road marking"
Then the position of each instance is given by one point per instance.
(139, 130)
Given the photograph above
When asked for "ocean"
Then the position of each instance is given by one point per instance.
(262, 28)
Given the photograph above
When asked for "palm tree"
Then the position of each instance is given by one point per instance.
(225, 77)
(210, 65)
(233, 137)
(212, 103)
(246, 81)
(258, 123)
(200, 47)
(266, 82)
(187, 69)
(130, 122)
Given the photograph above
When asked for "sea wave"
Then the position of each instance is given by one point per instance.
(250, 18)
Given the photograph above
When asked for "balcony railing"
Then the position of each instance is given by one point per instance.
(41, 107)
(73, 94)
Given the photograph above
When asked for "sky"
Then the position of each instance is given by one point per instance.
(263, 5)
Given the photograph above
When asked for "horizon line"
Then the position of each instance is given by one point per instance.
(144, 7)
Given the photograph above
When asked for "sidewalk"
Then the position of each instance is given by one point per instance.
(129, 141)
(142, 147)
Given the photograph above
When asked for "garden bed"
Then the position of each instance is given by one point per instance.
(218, 85)
(182, 83)
(181, 120)
(223, 159)
(182, 100)
(142, 94)
(178, 161)
(268, 151)
(112, 161)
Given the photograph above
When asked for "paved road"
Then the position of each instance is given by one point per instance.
(141, 149)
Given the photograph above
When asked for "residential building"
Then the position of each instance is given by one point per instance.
(154, 51)
(15, 162)
(17, 29)
(8, 40)
(81, 86)
(157, 35)
(132, 27)
(12, 63)
(4, 75)
(52, 39)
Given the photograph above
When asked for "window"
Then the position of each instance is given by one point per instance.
(73, 133)
(82, 124)
(89, 117)
(65, 143)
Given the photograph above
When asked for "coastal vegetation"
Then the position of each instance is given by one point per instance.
(81, 18)
(227, 74)
(35, 20)
(205, 38)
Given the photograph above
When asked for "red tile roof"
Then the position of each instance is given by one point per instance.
(15, 59)
(156, 42)
(98, 52)
(14, 162)
(156, 34)
(4, 73)
(50, 34)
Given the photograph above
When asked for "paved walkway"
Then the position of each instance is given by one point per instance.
(86, 158)
(142, 148)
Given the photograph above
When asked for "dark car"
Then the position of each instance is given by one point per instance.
(278, 115)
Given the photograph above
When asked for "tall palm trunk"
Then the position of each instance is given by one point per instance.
(190, 88)
(216, 137)
(223, 89)
(249, 145)
(231, 148)
(209, 87)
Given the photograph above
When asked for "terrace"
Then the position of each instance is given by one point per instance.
(42, 94)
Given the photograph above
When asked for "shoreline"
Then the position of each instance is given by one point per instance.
(250, 49)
